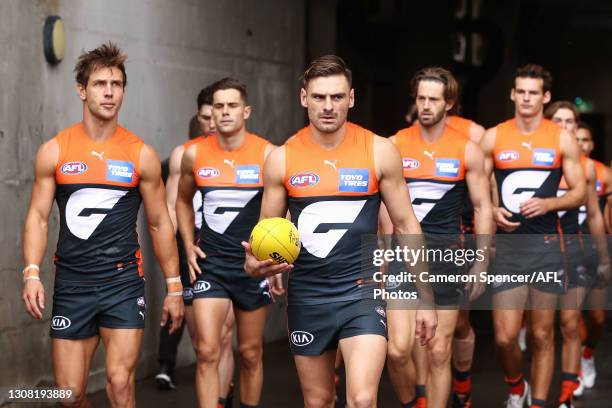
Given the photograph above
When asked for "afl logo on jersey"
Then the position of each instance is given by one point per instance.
(74, 168)
(304, 179)
(301, 338)
(410, 164)
(508, 155)
(208, 172)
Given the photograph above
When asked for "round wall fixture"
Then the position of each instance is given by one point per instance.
(54, 39)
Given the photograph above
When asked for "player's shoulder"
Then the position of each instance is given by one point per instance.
(257, 140)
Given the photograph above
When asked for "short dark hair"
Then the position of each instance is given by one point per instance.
(229, 83)
(325, 66)
(105, 56)
(451, 86)
(535, 71)
(205, 97)
(555, 106)
(584, 125)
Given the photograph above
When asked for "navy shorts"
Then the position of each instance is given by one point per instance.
(80, 308)
(580, 275)
(536, 257)
(314, 329)
(246, 293)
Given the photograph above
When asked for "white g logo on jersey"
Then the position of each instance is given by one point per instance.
(320, 244)
(526, 182)
(197, 208)
(231, 199)
(81, 225)
(425, 195)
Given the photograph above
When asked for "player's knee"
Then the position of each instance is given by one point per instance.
(119, 384)
(598, 318)
(570, 329)
(397, 355)
(250, 355)
(506, 341)
(463, 328)
(440, 353)
(207, 353)
(361, 399)
(542, 337)
(76, 398)
(319, 401)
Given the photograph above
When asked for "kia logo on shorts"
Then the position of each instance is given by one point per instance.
(201, 286)
(304, 179)
(208, 172)
(60, 323)
(74, 168)
(410, 164)
(508, 155)
(301, 338)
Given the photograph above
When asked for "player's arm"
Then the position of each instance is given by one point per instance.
(500, 214)
(185, 214)
(36, 226)
(396, 197)
(595, 222)
(478, 188)
(162, 234)
(174, 174)
(476, 132)
(607, 212)
(273, 204)
(574, 176)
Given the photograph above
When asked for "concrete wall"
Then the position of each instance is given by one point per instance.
(175, 48)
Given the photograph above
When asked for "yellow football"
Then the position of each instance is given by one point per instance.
(276, 239)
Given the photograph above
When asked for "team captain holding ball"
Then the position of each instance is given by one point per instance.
(331, 177)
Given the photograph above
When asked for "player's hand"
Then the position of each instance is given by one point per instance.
(193, 252)
(501, 216)
(261, 269)
(534, 207)
(34, 297)
(174, 309)
(603, 273)
(426, 323)
(476, 287)
(276, 285)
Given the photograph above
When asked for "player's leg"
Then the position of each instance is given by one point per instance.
(402, 372)
(419, 355)
(226, 364)
(209, 316)
(596, 320)
(316, 375)
(71, 362)
(191, 325)
(464, 340)
(122, 352)
(506, 326)
(363, 374)
(168, 347)
(570, 352)
(250, 326)
(542, 320)
(439, 358)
